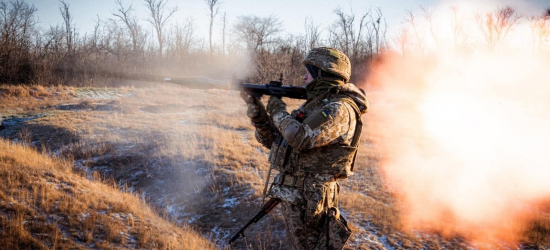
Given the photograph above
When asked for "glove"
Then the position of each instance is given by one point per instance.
(275, 105)
(256, 110)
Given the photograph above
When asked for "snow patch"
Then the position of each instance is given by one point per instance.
(230, 202)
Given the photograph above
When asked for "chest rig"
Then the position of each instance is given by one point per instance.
(333, 159)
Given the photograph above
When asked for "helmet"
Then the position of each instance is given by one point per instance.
(329, 60)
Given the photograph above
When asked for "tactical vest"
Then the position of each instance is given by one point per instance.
(334, 159)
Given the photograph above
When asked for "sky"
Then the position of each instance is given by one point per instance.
(292, 13)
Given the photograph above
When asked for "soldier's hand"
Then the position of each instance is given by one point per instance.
(256, 110)
(275, 105)
(248, 99)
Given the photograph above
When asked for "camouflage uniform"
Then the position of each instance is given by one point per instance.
(312, 148)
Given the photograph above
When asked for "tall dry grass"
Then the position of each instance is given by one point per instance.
(44, 205)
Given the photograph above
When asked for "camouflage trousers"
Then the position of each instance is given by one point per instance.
(305, 218)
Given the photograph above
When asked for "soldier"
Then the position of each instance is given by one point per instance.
(312, 148)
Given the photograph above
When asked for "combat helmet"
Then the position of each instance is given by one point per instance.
(329, 60)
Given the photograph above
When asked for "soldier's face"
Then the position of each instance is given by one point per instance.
(307, 77)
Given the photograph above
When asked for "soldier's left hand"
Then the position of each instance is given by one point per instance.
(256, 110)
(275, 105)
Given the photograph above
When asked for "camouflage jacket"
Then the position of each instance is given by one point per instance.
(317, 137)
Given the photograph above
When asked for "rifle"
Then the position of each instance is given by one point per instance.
(274, 88)
(269, 205)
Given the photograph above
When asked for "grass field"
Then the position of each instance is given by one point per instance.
(85, 165)
(44, 204)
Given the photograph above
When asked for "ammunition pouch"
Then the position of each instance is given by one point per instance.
(290, 180)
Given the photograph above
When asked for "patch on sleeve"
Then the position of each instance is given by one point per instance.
(318, 119)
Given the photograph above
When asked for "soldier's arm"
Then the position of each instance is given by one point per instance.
(259, 119)
(264, 133)
(319, 129)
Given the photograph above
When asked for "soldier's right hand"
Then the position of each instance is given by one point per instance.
(256, 110)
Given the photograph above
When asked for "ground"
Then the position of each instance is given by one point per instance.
(192, 156)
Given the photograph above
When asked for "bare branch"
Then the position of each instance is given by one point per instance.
(428, 14)
(224, 29)
(313, 33)
(496, 26)
(68, 20)
(159, 15)
(257, 32)
(125, 15)
(213, 7)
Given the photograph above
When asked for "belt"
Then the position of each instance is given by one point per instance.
(298, 181)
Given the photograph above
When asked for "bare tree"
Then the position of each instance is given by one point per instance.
(17, 23)
(256, 32)
(159, 15)
(402, 40)
(213, 8)
(114, 40)
(540, 29)
(130, 21)
(313, 34)
(411, 19)
(346, 34)
(378, 30)
(68, 22)
(96, 34)
(181, 38)
(428, 14)
(224, 27)
(496, 26)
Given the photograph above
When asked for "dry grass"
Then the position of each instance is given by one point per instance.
(194, 155)
(45, 205)
(182, 147)
(32, 97)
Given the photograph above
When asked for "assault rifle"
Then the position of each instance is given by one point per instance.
(274, 88)
(270, 205)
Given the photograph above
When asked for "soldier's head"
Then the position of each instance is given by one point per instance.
(326, 62)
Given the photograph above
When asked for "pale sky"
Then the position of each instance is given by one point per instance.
(291, 13)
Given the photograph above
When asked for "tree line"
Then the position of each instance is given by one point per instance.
(121, 47)
(253, 47)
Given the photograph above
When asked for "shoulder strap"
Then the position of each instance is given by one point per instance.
(358, 125)
(359, 122)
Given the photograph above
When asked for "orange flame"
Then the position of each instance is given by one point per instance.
(466, 131)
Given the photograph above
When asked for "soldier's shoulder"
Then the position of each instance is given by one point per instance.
(346, 101)
(333, 103)
(341, 107)
(342, 103)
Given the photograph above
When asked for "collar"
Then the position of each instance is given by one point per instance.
(320, 86)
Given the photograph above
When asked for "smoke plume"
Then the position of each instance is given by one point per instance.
(466, 124)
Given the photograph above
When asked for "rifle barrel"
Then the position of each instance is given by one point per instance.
(256, 90)
(199, 82)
